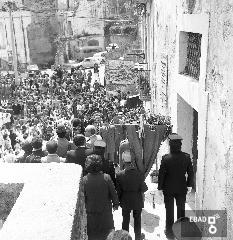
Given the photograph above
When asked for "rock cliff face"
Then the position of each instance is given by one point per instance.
(42, 31)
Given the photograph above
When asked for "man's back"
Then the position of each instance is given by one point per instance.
(130, 186)
(77, 156)
(36, 156)
(99, 191)
(172, 173)
(64, 146)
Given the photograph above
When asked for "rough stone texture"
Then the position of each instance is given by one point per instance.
(216, 188)
(42, 31)
(79, 230)
(162, 38)
(219, 149)
(20, 21)
(46, 207)
(89, 20)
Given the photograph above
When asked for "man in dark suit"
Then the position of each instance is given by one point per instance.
(130, 187)
(175, 178)
(79, 155)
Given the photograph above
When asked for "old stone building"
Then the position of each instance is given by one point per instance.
(88, 23)
(189, 47)
(36, 30)
(20, 21)
(42, 31)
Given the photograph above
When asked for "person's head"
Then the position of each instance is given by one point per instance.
(37, 143)
(175, 143)
(76, 122)
(79, 140)
(5, 136)
(61, 131)
(126, 157)
(119, 235)
(93, 164)
(98, 119)
(51, 147)
(27, 147)
(25, 135)
(99, 147)
(90, 130)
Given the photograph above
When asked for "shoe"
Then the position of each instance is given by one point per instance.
(169, 234)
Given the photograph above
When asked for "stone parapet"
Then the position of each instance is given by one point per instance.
(46, 207)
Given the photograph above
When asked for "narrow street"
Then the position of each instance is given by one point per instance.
(153, 217)
(153, 214)
(119, 84)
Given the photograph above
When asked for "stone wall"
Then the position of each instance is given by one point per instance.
(215, 185)
(161, 37)
(42, 31)
(125, 10)
(47, 204)
(88, 20)
(21, 19)
(218, 187)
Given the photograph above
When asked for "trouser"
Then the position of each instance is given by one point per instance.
(137, 221)
(169, 205)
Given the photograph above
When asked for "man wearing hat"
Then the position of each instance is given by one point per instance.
(130, 187)
(108, 165)
(172, 180)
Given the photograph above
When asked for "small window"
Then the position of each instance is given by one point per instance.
(190, 54)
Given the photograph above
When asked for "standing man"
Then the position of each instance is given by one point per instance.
(130, 187)
(175, 179)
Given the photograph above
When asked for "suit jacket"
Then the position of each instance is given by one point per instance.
(36, 156)
(99, 192)
(130, 186)
(172, 173)
(78, 156)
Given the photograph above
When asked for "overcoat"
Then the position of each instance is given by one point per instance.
(100, 196)
(172, 173)
(130, 187)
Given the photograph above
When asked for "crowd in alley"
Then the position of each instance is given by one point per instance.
(68, 118)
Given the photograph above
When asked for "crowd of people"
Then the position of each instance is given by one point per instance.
(68, 118)
(41, 102)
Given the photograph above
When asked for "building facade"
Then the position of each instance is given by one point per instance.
(20, 20)
(42, 31)
(81, 24)
(188, 45)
